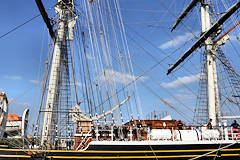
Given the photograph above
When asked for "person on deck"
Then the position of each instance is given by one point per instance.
(180, 125)
(209, 125)
(235, 126)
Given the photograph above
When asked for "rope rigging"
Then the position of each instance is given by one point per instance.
(106, 70)
(19, 26)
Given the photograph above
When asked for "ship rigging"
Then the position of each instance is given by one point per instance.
(100, 116)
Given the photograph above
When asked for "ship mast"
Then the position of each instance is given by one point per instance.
(209, 33)
(212, 85)
(64, 9)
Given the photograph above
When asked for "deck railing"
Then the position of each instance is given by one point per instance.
(127, 133)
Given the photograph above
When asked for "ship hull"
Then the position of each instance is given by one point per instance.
(205, 151)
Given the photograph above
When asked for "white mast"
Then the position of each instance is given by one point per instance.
(50, 118)
(213, 105)
(207, 38)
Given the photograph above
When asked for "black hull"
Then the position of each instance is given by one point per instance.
(117, 152)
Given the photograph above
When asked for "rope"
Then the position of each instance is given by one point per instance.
(203, 155)
(19, 26)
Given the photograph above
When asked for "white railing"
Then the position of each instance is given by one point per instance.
(126, 133)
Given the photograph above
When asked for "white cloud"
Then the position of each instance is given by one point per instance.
(184, 97)
(77, 84)
(179, 97)
(180, 81)
(177, 41)
(12, 77)
(16, 103)
(90, 57)
(34, 81)
(119, 77)
(170, 100)
(17, 107)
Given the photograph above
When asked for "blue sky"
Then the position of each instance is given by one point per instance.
(23, 52)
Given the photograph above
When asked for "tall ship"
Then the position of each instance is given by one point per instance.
(90, 106)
